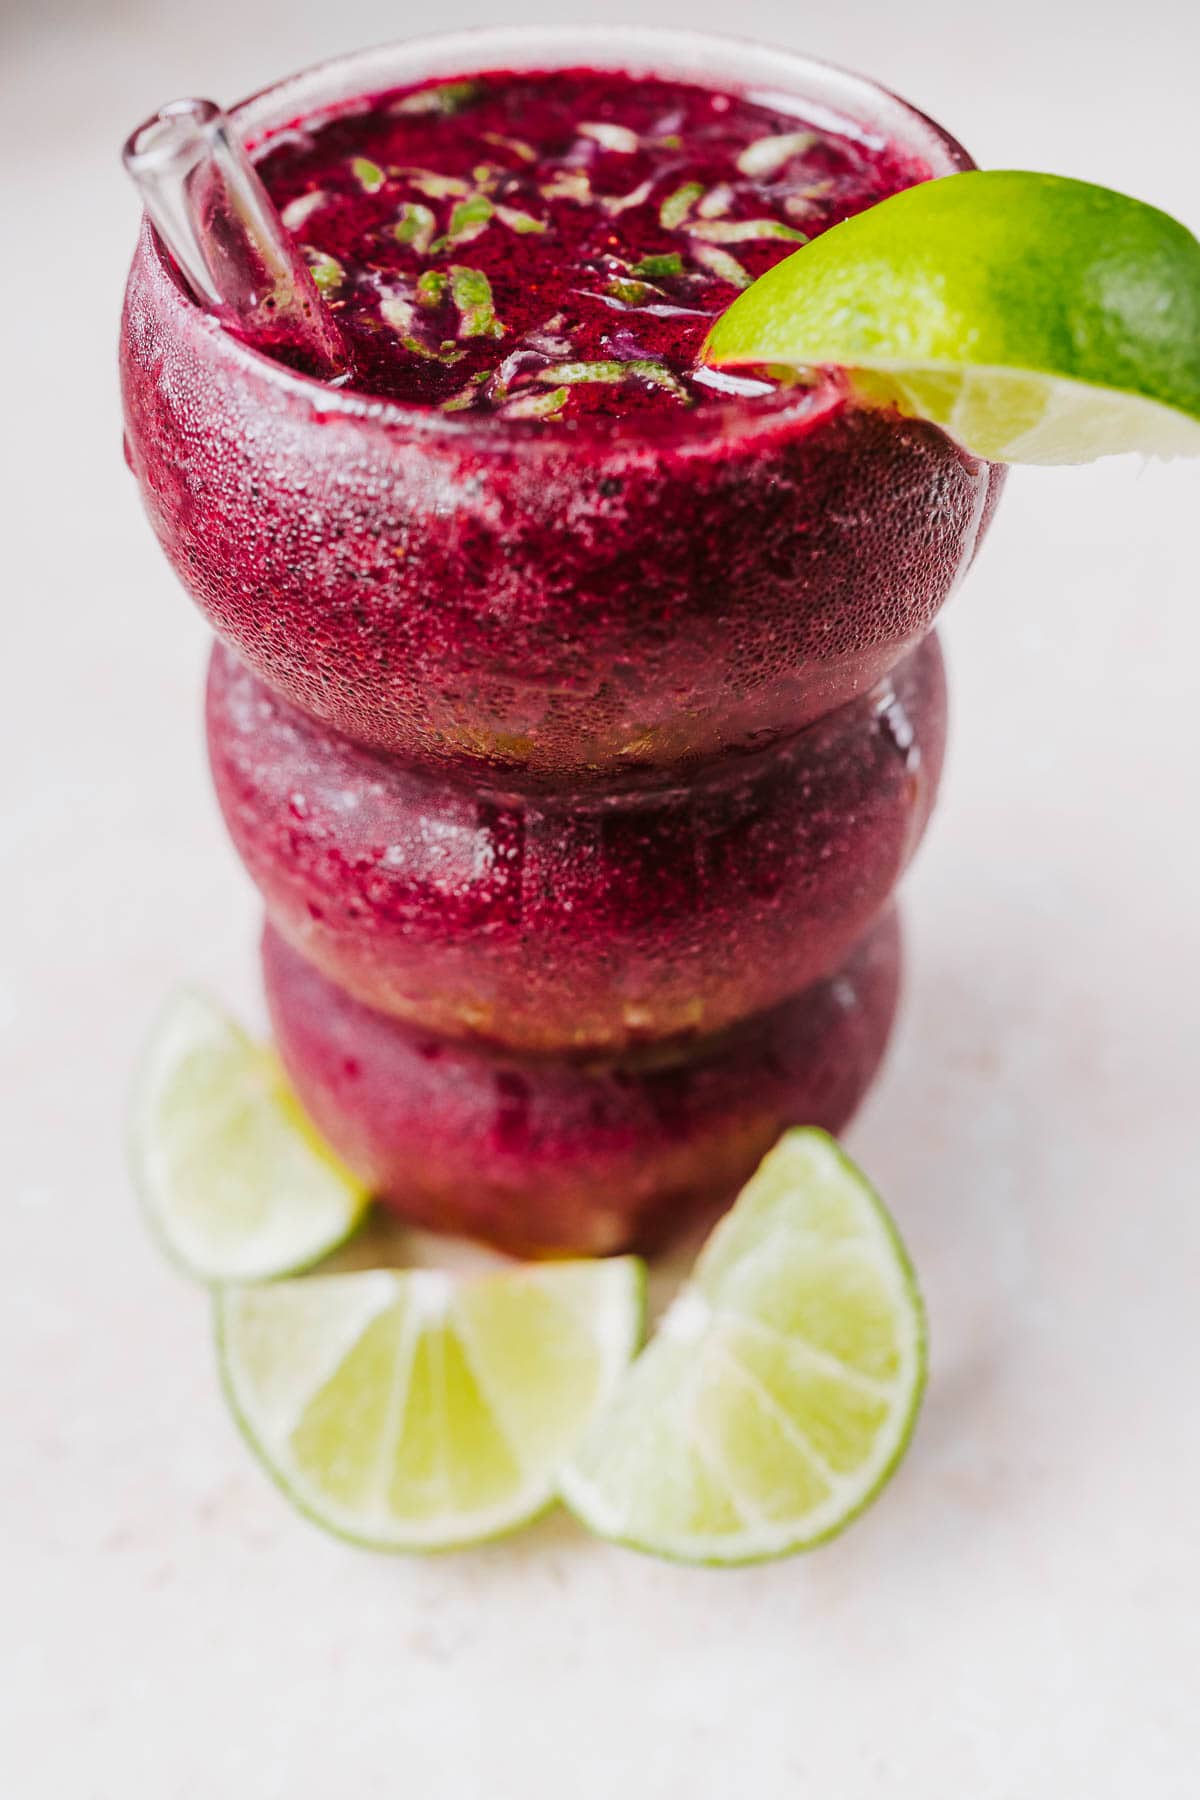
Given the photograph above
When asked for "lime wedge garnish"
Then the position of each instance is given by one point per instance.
(414, 1410)
(782, 1386)
(1038, 320)
(234, 1180)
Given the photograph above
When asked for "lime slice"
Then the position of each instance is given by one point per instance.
(1038, 320)
(236, 1184)
(416, 1410)
(781, 1388)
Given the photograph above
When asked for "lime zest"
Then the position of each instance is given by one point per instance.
(369, 176)
(535, 405)
(571, 374)
(519, 148)
(568, 184)
(655, 267)
(396, 311)
(615, 204)
(435, 186)
(744, 231)
(523, 223)
(416, 226)
(716, 202)
(325, 270)
(472, 294)
(296, 211)
(767, 155)
(618, 138)
(448, 97)
(469, 219)
(720, 263)
(677, 205)
(446, 352)
(432, 286)
(632, 293)
(659, 376)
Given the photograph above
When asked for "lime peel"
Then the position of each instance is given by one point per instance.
(1035, 318)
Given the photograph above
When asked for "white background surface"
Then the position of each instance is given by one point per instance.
(1019, 1618)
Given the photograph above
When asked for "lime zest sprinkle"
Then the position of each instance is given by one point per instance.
(523, 223)
(767, 155)
(571, 374)
(472, 294)
(296, 211)
(415, 226)
(467, 396)
(659, 376)
(677, 205)
(447, 352)
(619, 203)
(568, 184)
(744, 231)
(630, 293)
(800, 200)
(532, 405)
(719, 263)
(469, 220)
(654, 267)
(447, 97)
(525, 152)
(431, 288)
(574, 372)
(618, 138)
(325, 270)
(369, 176)
(716, 202)
(397, 311)
(435, 186)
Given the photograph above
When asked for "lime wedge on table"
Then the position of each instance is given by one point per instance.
(413, 1410)
(781, 1388)
(235, 1182)
(1036, 319)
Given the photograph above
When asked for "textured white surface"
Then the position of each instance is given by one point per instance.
(1019, 1618)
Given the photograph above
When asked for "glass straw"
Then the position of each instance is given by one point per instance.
(216, 218)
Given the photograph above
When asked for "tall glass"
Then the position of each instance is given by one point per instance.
(632, 721)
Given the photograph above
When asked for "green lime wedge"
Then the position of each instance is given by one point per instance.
(235, 1183)
(416, 1410)
(1038, 320)
(782, 1386)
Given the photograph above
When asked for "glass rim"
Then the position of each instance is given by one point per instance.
(817, 90)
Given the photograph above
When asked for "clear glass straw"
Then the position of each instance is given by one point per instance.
(216, 218)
